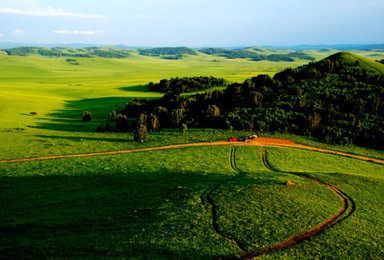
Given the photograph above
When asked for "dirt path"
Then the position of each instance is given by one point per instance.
(261, 141)
(274, 142)
(206, 199)
(346, 211)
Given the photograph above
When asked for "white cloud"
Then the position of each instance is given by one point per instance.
(79, 32)
(18, 32)
(51, 12)
(1, 34)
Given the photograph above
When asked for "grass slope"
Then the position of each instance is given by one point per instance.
(153, 205)
(363, 61)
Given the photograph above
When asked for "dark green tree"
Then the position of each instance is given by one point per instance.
(153, 123)
(184, 128)
(86, 116)
(177, 115)
(140, 134)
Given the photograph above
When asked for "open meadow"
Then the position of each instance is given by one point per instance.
(187, 202)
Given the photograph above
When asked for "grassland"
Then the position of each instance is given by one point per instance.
(160, 204)
(153, 204)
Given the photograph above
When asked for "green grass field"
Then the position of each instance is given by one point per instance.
(153, 205)
(192, 203)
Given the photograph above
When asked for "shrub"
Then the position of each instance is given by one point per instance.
(122, 123)
(86, 116)
(140, 134)
(184, 128)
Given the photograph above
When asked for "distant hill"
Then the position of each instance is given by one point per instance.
(340, 47)
(173, 53)
(339, 99)
(105, 52)
(256, 54)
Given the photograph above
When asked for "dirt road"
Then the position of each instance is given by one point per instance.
(261, 141)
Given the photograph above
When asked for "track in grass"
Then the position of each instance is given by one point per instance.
(206, 198)
(347, 210)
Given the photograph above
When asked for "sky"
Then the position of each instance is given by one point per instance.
(193, 23)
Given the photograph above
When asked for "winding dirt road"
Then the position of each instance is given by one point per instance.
(261, 141)
(348, 208)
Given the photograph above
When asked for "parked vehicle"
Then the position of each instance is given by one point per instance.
(243, 138)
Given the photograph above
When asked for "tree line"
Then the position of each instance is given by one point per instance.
(246, 54)
(332, 100)
(59, 52)
(167, 51)
(178, 85)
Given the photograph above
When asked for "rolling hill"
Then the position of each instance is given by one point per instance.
(339, 99)
(365, 63)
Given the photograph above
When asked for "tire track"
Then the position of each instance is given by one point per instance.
(206, 199)
(348, 208)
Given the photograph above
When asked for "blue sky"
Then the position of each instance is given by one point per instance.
(192, 23)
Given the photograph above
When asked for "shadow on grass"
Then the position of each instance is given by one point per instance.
(137, 88)
(69, 118)
(111, 214)
(83, 138)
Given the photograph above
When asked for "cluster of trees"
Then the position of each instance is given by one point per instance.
(245, 54)
(108, 53)
(177, 85)
(231, 54)
(62, 52)
(332, 100)
(168, 52)
(172, 57)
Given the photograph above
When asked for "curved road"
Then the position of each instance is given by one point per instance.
(261, 141)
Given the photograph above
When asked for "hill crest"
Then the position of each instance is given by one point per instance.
(363, 62)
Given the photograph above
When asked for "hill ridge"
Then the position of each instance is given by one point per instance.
(351, 58)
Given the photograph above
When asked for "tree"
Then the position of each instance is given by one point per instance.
(177, 116)
(113, 115)
(212, 112)
(143, 119)
(153, 123)
(140, 134)
(86, 116)
(122, 123)
(184, 128)
(162, 114)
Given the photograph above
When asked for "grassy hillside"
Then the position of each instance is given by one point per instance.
(364, 62)
(79, 207)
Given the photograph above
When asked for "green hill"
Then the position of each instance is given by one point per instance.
(170, 53)
(363, 62)
(258, 54)
(105, 52)
(338, 100)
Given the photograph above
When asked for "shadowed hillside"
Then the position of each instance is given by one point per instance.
(339, 99)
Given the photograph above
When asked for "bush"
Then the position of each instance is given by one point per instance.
(140, 134)
(184, 128)
(86, 116)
